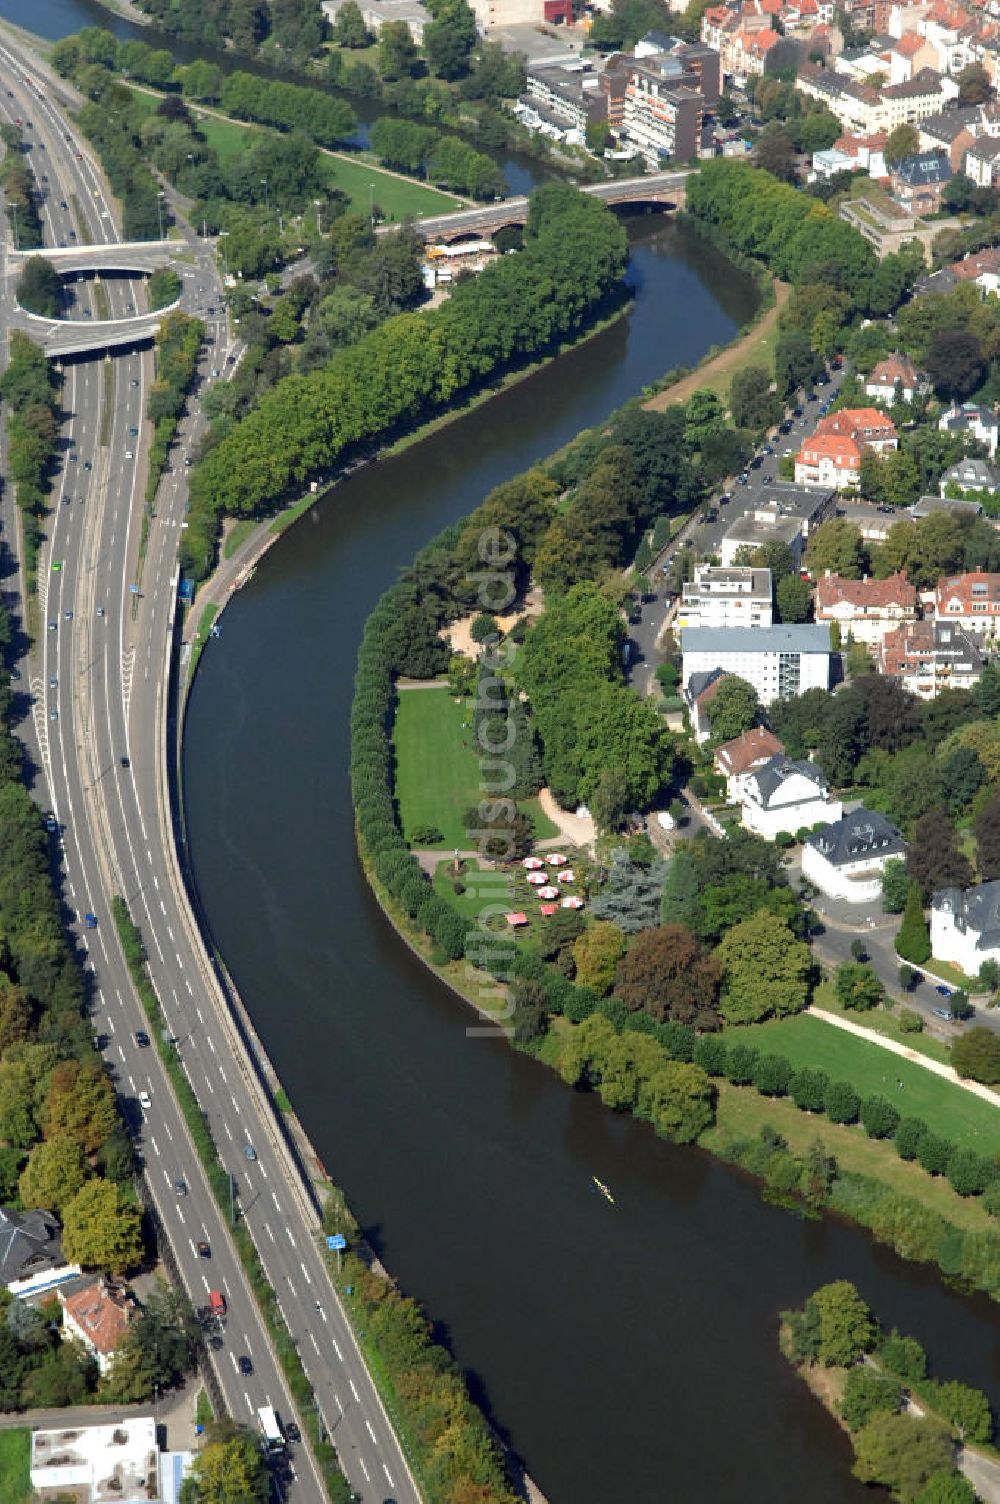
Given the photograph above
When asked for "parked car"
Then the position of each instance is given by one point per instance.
(942, 1013)
(943, 992)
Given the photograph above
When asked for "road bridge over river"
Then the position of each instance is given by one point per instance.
(665, 189)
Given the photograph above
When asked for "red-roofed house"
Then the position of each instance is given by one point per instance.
(900, 369)
(747, 52)
(868, 152)
(971, 600)
(832, 457)
(909, 55)
(736, 759)
(865, 609)
(98, 1315)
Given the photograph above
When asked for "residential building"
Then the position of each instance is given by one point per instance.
(975, 418)
(375, 13)
(909, 55)
(778, 661)
(832, 456)
(865, 610)
(785, 795)
(918, 182)
(748, 533)
(969, 600)
(867, 152)
(953, 132)
(662, 117)
(31, 1256)
(952, 505)
(886, 225)
(896, 378)
(857, 106)
(784, 512)
(98, 1315)
(827, 164)
(982, 161)
(114, 1461)
(930, 656)
(569, 95)
(971, 475)
(846, 858)
(983, 268)
(718, 597)
(698, 691)
(965, 926)
(925, 94)
(735, 760)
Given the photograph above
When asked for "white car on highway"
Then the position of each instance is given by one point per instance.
(144, 1101)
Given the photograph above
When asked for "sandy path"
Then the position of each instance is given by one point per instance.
(727, 360)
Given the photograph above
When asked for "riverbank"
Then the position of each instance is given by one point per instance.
(235, 568)
(909, 1431)
(715, 372)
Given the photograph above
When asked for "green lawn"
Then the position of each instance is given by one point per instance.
(15, 1460)
(947, 1109)
(224, 136)
(396, 197)
(438, 776)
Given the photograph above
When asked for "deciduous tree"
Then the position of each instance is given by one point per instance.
(101, 1228)
(765, 970)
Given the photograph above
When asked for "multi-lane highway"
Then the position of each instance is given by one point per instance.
(97, 672)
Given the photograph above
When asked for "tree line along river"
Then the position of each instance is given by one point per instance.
(628, 1352)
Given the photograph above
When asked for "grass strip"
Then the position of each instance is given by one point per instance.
(107, 404)
(82, 228)
(103, 302)
(15, 1466)
(237, 536)
(218, 1179)
(201, 636)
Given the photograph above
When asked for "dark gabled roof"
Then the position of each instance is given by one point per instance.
(778, 769)
(927, 167)
(29, 1243)
(976, 911)
(698, 683)
(863, 833)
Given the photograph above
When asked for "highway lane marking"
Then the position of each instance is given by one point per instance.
(368, 1476)
(336, 1348)
(211, 1046)
(122, 1054)
(187, 984)
(247, 1398)
(388, 1475)
(315, 1344)
(291, 1240)
(131, 1082)
(267, 1229)
(354, 1391)
(177, 958)
(371, 1433)
(181, 1215)
(291, 1287)
(198, 1011)
(163, 907)
(172, 940)
(261, 1169)
(276, 1202)
(222, 1073)
(236, 1366)
(193, 1248)
(235, 1103)
(305, 1271)
(166, 1129)
(228, 1131)
(152, 1140)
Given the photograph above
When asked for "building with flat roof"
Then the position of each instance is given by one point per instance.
(779, 661)
(113, 1463)
(718, 597)
(785, 513)
(375, 13)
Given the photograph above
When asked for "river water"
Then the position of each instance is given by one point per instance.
(628, 1352)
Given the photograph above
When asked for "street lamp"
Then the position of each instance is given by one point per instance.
(13, 210)
(159, 210)
(371, 204)
(319, 210)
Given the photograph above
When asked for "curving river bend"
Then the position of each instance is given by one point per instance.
(628, 1352)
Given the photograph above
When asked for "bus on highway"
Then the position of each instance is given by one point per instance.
(270, 1429)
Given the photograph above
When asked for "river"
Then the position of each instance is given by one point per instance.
(629, 1352)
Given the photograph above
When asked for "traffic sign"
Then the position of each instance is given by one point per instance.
(337, 1241)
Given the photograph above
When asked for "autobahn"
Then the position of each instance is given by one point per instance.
(97, 677)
